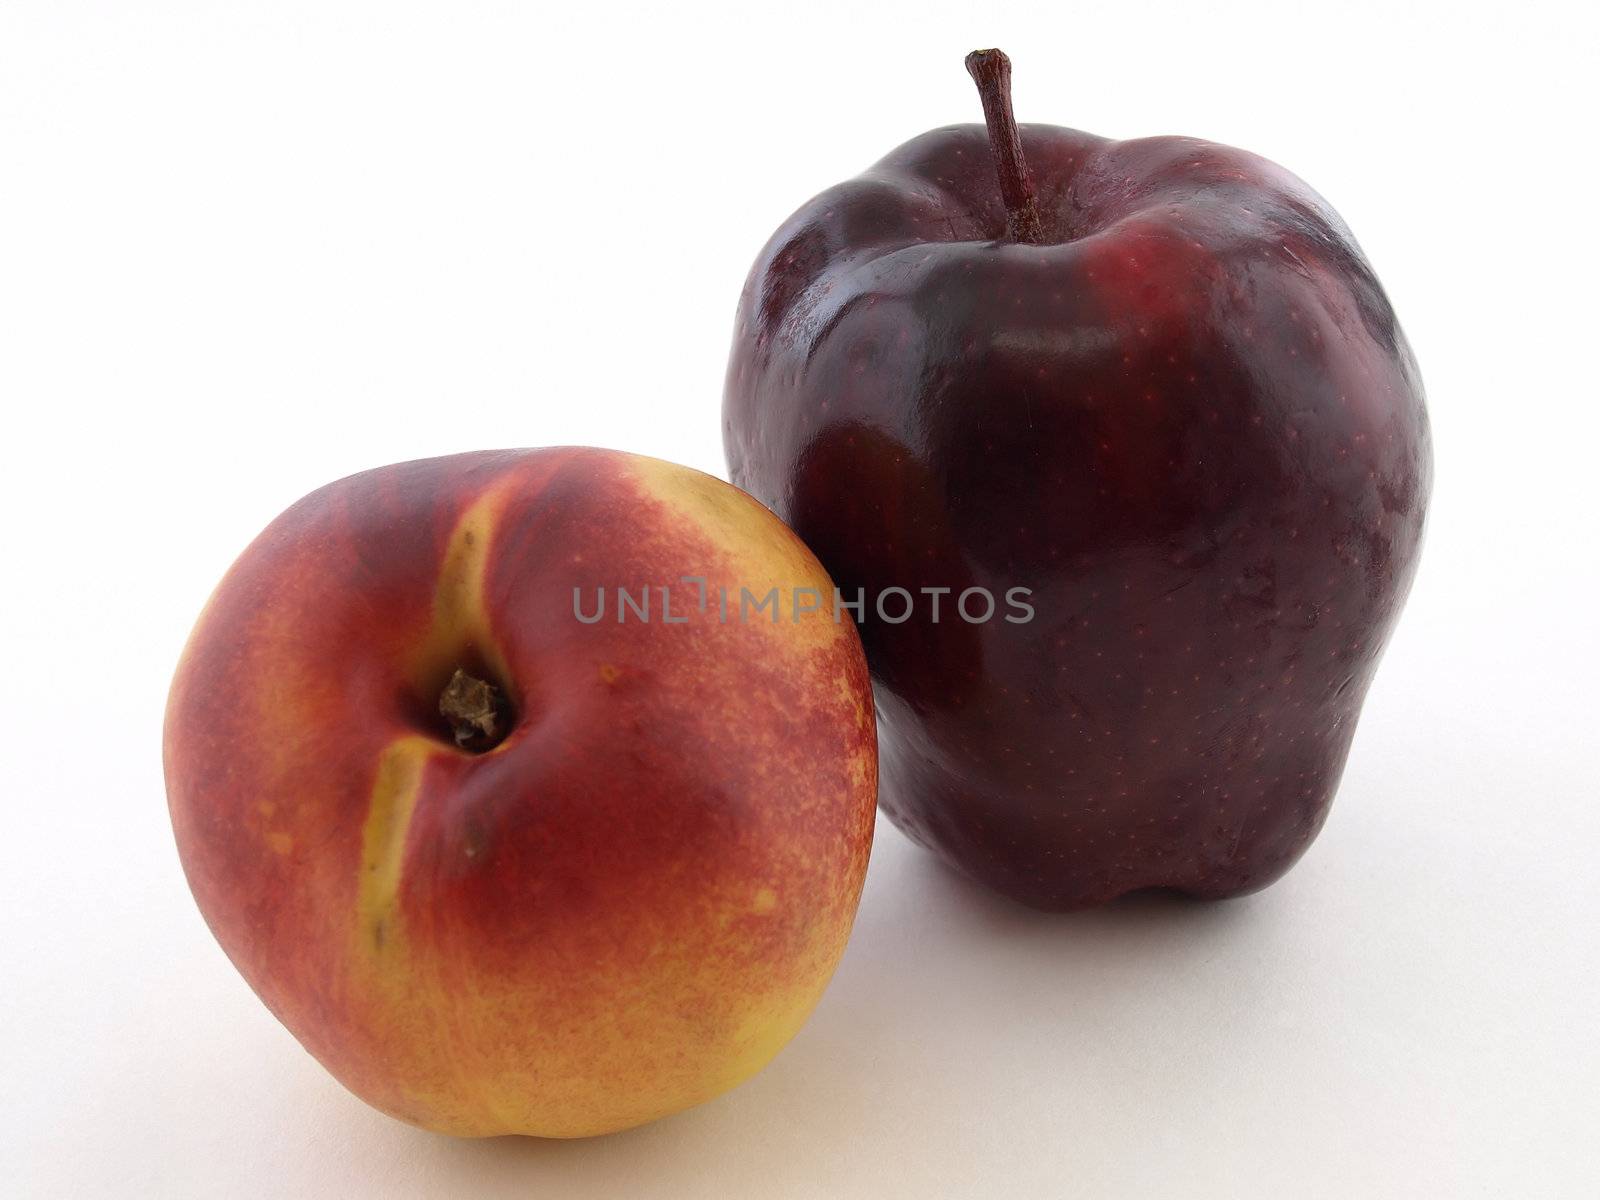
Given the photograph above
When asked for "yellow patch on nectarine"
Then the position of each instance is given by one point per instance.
(460, 616)
(383, 841)
(743, 531)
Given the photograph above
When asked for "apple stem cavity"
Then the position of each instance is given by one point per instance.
(991, 71)
(475, 710)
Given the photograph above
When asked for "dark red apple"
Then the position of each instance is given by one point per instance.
(1153, 381)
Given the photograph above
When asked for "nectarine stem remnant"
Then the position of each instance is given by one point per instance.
(475, 711)
(991, 71)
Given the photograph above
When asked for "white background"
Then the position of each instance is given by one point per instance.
(248, 247)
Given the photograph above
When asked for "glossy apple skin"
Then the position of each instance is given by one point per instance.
(627, 906)
(1189, 422)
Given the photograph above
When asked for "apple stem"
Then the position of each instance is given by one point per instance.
(991, 71)
(475, 711)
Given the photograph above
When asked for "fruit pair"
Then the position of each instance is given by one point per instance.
(507, 866)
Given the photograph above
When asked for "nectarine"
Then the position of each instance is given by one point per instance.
(506, 870)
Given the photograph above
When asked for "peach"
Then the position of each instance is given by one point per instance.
(502, 867)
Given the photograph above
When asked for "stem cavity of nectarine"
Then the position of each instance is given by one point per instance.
(991, 71)
(476, 711)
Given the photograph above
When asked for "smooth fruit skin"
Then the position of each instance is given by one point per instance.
(1188, 421)
(628, 905)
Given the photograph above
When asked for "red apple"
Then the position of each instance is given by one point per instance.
(500, 869)
(1156, 383)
